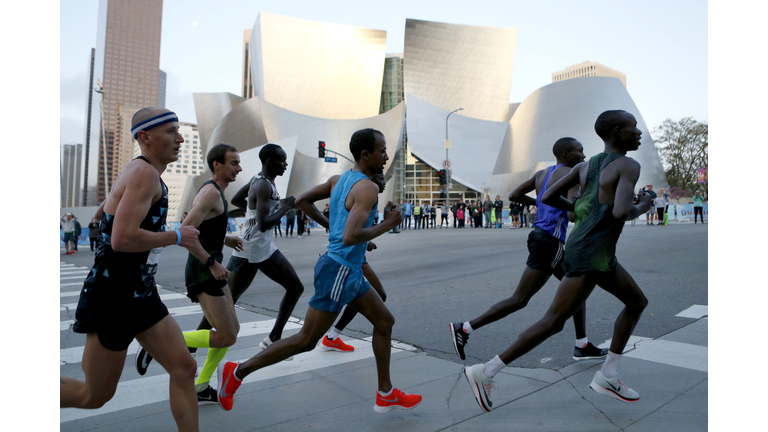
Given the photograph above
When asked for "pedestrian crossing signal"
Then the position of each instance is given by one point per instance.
(321, 149)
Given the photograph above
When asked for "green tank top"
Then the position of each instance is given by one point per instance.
(592, 243)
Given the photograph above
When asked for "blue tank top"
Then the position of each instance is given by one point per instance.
(350, 256)
(552, 220)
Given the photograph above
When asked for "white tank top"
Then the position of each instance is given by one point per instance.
(257, 245)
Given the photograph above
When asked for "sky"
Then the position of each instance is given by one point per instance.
(661, 46)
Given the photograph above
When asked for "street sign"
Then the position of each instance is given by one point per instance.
(447, 144)
(447, 164)
(331, 159)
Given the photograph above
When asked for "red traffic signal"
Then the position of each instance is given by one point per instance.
(321, 149)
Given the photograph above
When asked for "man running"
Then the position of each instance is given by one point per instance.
(545, 246)
(338, 274)
(119, 300)
(608, 182)
(332, 341)
(259, 252)
(205, 277)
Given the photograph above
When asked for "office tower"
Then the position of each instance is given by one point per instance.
(71, 166)
(247, 79)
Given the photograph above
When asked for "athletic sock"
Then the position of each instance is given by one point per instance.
(198, 338)
(333, 334)
(383, 394)
(467, 328)
(493, 367)
(610, 367)
(215, 355)
(581, 343)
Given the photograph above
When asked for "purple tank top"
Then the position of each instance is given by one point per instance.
(552, 220)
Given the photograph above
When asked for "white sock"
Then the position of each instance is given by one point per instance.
(333, 334)
(234, 373)
(581, 343)
(610, 367)
(467, 328)
(493, 367)
(387, 393)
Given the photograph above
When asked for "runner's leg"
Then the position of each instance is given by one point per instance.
(624, 288)
(102, 369)
(280, 270)
(530, 283)
(372, 307)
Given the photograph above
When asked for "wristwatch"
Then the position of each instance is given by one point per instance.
(210, 261)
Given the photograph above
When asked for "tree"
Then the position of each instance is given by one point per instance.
(682, 146)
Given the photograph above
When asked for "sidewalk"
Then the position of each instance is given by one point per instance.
(336, 391)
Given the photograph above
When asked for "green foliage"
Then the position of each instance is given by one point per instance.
(683, 148)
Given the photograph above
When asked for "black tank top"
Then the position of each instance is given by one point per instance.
(131, 268)
(213, 230)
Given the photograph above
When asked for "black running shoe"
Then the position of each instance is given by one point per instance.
(142, 360)
(459, 338)
(589, 352)
(207, 397)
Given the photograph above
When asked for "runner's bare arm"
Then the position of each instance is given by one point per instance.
(519, 195)
(364, 195)
(136, 199)
(204, 203)
(623, 209)
(261, 192)
(553, 196)
(306, 201)
(240, 199)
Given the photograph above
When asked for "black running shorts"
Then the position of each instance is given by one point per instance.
(199, 278)
(545, 252)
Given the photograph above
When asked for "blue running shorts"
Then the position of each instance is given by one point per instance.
(336, 285)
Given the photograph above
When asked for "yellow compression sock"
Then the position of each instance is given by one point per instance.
(198, 338)
(215, 356)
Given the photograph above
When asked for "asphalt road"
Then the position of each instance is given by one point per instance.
(433, 277)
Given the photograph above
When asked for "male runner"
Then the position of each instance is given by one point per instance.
(332, 341)
(545, 246)
(607, 181)
(259, 252)
(338, 274)
(119, 300)
(205, 277)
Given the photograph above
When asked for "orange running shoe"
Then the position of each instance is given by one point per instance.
(228, 384)
(336, 345)
(395, 400)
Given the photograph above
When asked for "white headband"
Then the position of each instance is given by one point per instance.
(163, 118)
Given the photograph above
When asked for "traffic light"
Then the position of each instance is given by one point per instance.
(321, 149)
(443, 176)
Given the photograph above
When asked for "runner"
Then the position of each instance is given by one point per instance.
(332, 341)
(205, 277)
(119, 300)
(338, 274)
(545, 246)
(259, 252)
(607, 181)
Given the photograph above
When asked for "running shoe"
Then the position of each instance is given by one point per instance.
(142, 360)
(459, 338)
(207, 396)
(589, 352)
(613, 387)
(267, 342)
(395, 400)
(481, 385)
(228, 384)
(336, 345)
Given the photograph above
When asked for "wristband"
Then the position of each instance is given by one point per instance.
(178, 237)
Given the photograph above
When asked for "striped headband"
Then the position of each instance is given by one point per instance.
(163, 118)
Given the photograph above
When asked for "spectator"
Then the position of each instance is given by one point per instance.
(498, 205)
(78, 231)
(417, 215)
(93, 233)
(460, 216)
(698, 206)
(301, 218)
(533, 211)
(444, 215)
(454, 210)
(407, 212)
(433, 215)
(68, 225)
(290, 219)
(470, 213)
(524, 216)
(477, 215)
(487, 210)
(277, 225)
(652, 210)
(661, 204)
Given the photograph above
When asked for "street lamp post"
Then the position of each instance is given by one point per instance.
(100, 91)
(449, 171)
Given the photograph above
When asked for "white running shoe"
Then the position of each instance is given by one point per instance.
(481, 385)
(613, 387)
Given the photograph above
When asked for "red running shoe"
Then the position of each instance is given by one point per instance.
(228, 384)
(395, 400)
(336, 345)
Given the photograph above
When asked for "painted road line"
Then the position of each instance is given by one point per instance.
(695, 311)
(672, 353)
(144, 391)
(75, 354)
(395, 344)
(163, 297)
